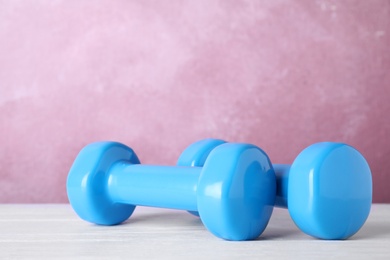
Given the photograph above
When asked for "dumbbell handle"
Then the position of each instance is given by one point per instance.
(155, 186)
(281, 173)
(171, 186)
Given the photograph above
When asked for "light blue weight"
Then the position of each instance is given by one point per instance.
(233, 192)
(327, 190)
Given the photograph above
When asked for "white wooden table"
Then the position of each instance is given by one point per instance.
(47, 231)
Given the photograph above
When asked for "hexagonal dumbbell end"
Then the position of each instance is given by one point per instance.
(87, 183)
(327, 189)
(236, 191)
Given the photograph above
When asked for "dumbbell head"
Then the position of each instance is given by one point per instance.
(196, 154)
(87, 182)
(329, 190)
(236, 191)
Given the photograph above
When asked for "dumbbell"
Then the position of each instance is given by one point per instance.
(233, 192)
(327, 190)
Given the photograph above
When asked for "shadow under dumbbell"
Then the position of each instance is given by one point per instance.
(177, 218)
(277, 234)
(162, 217)
(280, 226)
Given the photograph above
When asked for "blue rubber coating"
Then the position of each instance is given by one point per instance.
(170, 187)
(236, 191)
(196, 154)
(87, 183)
(329, 192)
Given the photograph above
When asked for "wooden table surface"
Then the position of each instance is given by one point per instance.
(53, 231)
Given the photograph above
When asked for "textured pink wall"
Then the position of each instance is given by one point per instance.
(158, 75)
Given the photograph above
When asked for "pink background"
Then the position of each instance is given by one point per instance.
(158, 75)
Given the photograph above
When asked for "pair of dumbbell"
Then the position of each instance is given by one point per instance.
(232, 187)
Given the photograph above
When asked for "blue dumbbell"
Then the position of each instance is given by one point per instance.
(327, 190)
(233, 192)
